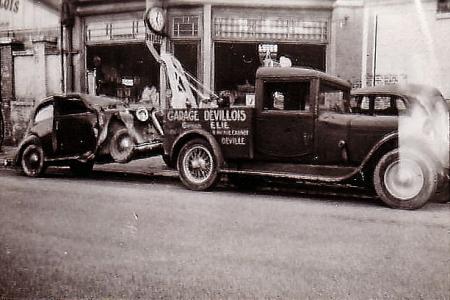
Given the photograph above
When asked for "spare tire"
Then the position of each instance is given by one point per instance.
(121, 146)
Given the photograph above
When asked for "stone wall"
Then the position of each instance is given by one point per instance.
(26, 77)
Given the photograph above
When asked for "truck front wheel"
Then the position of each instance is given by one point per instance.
(197, 165)
(406, 181)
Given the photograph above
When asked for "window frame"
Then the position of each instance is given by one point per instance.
(41, 108)
(346, 94)
(306, 81)
(59, 102)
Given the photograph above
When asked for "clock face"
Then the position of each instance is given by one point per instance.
(157, 19)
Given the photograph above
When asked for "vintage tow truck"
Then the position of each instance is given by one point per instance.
(304, 126)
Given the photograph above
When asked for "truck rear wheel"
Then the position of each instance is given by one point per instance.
(197, 165)
(407, 181)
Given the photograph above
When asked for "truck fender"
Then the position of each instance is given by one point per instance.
(197, 133)
(386, 144)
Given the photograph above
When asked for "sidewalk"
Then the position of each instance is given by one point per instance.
(6, 155)
(153, 166)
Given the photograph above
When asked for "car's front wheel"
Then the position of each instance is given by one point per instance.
(32, 160)
(197, 165)
(405, 179)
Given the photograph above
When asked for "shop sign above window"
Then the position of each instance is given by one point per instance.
(270, 29)
(118, 30)
(185, 26)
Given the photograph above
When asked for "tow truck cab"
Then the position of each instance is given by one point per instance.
(280, 127)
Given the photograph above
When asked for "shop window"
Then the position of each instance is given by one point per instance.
(287, 96)
(291, 29)
(443, 6)
(235, 65)
(185, 26)
(118, 30)
(187, 54)
(123, 71)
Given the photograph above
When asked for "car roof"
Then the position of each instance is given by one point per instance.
(102, 101)
(298, 72)
(409, 90)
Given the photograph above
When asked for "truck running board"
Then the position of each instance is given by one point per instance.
(308, 173)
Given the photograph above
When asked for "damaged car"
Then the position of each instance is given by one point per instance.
(79, 130)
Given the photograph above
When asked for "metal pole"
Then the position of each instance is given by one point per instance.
(375, 50)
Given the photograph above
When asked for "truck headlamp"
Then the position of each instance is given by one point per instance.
(142, 114)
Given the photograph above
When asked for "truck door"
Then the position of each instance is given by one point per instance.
(284, 121)
(75, 127)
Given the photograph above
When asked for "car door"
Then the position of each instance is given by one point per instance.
(43, 126)
(75, 123)
(284, 122)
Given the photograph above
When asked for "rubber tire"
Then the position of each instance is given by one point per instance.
(117, 154)
(81, 169)
(40, 168)
(426, 193)
(214, 176)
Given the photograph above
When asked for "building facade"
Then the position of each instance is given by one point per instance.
(30, 60)
(221, 43)
(98, 46)
(407, 41)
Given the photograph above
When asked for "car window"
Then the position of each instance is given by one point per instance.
(71, 106)
(287, 96)
(400, 104)
(334, 99)
(44, 113)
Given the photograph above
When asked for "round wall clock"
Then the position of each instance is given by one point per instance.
(156, 19)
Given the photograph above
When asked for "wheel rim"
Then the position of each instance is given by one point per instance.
(404, 179)
(32, 160)
(198, 164)
(125, 143)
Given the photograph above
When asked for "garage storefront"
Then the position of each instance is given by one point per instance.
(244, 38)
(118, 63)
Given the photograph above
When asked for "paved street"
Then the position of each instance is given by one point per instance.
(134, 236)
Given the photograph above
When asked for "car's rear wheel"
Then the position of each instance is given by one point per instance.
(122, 146)
(406, 181)
(197, 165)
(32, 160)
(81, 168)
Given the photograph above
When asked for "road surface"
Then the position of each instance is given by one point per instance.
(112, 236)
